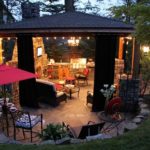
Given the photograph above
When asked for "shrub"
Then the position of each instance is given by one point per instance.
(54, 132)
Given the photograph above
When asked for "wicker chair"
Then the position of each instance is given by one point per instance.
(82, 76)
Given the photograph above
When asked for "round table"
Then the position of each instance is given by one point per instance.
(70, 80)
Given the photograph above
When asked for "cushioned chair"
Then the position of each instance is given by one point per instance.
(82, 76)
(26, 122)
(87, 130)
(46, 92)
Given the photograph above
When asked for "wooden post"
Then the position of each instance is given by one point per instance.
(106, 46)
(136, 60)
(26, 62)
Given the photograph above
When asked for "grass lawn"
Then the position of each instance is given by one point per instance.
(138, 139)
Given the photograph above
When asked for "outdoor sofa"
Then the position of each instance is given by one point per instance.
(46, 93)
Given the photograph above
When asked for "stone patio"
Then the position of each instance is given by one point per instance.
(76, 113)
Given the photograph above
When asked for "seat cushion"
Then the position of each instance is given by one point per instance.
(58, 87)
(59, 93)
(24, 121)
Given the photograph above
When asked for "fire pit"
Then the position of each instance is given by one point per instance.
(113, 120)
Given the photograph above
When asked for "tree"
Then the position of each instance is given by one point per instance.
(138, 13)
(123, 12)
(69, 5)
(145, 67)
(89, 8)
(141, 12)
(14, 6)
(49, 6)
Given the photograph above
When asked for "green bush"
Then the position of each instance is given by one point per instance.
(54, 132)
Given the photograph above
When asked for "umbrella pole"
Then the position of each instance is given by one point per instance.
(4, 106)
(4, 92)
(5, 110)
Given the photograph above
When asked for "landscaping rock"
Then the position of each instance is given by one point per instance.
(142, 105)
(121, 132)
(98, 136)
(47, 142)
(140, 116)
(145, 112)
(141, 99)
(3, 138)
(76, 141)
(18, 142)
(130, 126)
(137, 120)
(65, 140)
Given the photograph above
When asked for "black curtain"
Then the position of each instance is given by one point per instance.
(27, 92)
(106, 46)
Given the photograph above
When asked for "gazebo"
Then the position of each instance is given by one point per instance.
(105, 30)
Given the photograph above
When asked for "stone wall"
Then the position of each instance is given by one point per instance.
(40, 61)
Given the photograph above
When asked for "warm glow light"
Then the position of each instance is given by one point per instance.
(145, 49)
(73, 41)
(129, 37)
(55, 38)
(78, 63)
(88, 38)
(51, 61)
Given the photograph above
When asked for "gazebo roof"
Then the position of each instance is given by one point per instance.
(68, 22)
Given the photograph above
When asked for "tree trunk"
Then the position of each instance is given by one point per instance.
(69, 6)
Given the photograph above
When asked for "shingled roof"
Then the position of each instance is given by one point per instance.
(68, 22)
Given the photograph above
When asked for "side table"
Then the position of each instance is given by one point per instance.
(70, 89)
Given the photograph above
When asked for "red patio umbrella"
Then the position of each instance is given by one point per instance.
(11, 74)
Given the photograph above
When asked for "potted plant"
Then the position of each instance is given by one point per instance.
(55, 132)
(107, 92)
